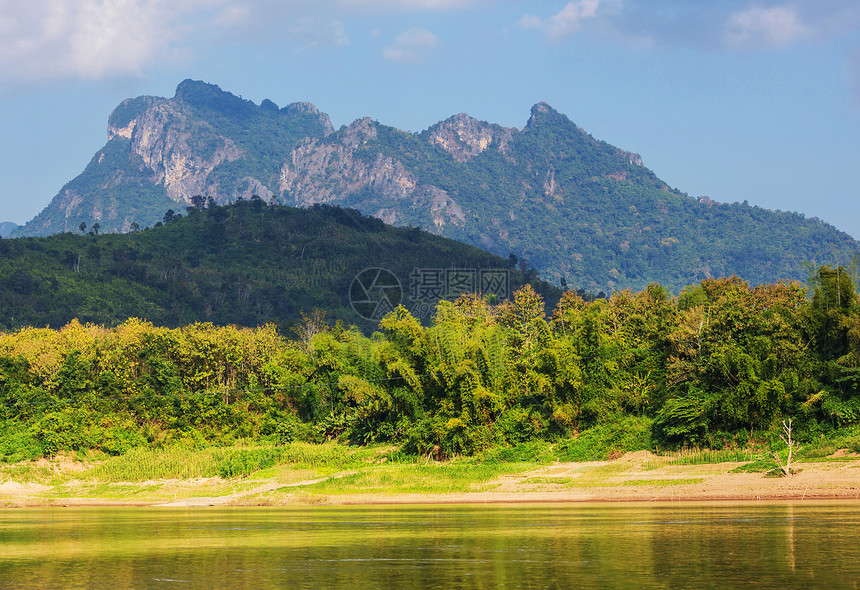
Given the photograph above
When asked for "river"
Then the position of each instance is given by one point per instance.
(680, 545)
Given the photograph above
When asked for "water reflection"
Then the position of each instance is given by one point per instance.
(580, 546)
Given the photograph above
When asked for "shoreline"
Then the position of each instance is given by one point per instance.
(634, 478)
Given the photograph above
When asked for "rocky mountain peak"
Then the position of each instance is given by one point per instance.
(192, 90)
(201, 94)
(465, 137)
(632, 157)
(123, 119)
(544, 115)
(302, 108)
(539, 112)
(359, 132)
(307, 108)
(269, 106)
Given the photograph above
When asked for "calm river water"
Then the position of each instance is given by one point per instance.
(800, 545)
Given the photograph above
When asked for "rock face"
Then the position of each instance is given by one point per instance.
(163, 151)
(204, 141)
(464, 137)
(329, 170)
(575, 207)
(306, 108)
(180, 151)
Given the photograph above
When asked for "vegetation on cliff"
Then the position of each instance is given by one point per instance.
(577, 208)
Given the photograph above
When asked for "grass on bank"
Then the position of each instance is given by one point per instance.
(240, 461)
(332, 468)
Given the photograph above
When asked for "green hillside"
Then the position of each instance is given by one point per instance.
(245, 264)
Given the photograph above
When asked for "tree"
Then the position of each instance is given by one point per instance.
(169, 216)
(792, 448)
(308, 327)
(83, 227)
(94, 253)
(834, 301)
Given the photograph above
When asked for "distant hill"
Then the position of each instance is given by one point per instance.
(6, 228)
(245, 264)
(576, 208)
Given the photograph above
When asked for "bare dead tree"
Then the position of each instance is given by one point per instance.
(792, 448)
(308, 327)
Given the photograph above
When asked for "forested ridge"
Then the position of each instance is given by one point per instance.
(720, 365)
(248, 264)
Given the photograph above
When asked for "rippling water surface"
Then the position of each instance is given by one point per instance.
(799, 545)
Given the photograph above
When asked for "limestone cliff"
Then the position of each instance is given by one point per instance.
(464, 137)
(330, 170)
(163, 151)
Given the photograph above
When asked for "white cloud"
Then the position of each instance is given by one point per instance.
(570, 19)
(731, 25)
(411, 47)
(758, 27)
(529, 21)
(89, 39)
(43, 40)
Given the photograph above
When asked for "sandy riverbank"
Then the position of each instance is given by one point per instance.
(635, 477)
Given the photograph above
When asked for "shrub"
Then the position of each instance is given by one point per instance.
(630, 433)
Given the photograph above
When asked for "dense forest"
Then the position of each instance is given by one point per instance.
(720, 365)
(248, 264)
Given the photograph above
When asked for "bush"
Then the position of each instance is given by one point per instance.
(17, 443)
(682, 421)
(630, 433)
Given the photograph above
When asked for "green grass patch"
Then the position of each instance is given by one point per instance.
(548, 480)
(661, 483)
(709, 456)
(244, 462)
(458, 475)
(28, 473)
(761, 464)
(530, 452)
(143, 464)
(179, 462)
(825, 460)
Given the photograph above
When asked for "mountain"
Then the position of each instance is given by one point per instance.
(6, 228)
(576, 208)
(247, 264)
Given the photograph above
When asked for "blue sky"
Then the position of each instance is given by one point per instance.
(737, 100)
